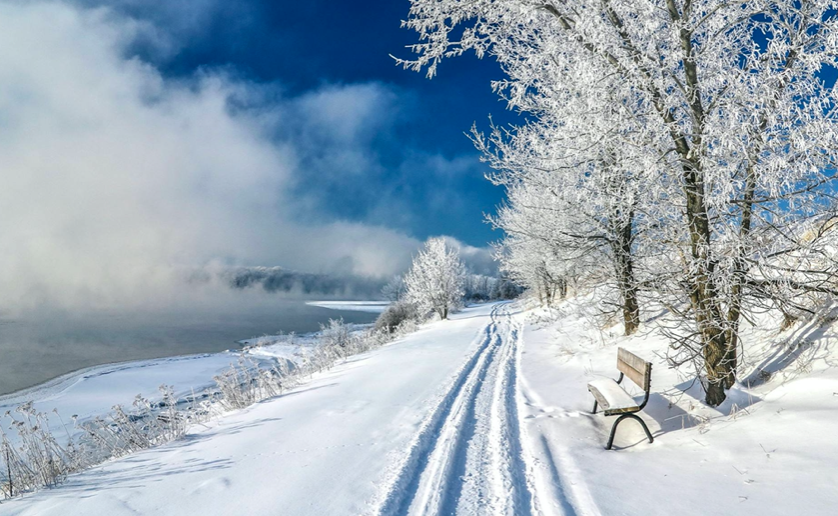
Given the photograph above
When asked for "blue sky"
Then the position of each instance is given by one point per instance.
(413, 168)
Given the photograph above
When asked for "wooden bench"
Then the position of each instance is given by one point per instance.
(614, 400)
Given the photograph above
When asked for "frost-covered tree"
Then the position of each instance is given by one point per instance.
(724, 101)
(524, 260)
(435, 280)
(393, 291)
(570, 202)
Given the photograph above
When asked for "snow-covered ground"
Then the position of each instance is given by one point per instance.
(357, 306)
(769, 449)
(94, 391)
(334, 446)
(488, 414)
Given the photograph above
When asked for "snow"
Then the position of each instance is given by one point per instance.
(357, 306)
(326, 448)
(614, 396)
(92, 392)
(767, 450)
(487, 413)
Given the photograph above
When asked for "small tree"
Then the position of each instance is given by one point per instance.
(435, 281)
(394, 289)
(396, 314)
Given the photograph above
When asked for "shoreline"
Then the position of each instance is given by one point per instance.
(54, 387)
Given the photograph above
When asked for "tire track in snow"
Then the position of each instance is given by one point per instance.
(403, 489)
(497, 483)
(478, 480)
(441, 485)
(522, 484)
(468, 458)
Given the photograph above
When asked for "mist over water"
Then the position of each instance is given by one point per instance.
(38, 346)
(127, 197)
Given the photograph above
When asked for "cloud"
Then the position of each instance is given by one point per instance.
(115, 179)
(350, 115)
(161, 28)
(359, 162)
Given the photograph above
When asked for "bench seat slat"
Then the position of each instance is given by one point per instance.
(611, 397)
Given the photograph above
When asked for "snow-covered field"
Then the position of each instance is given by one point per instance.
(484, 414)
(768, 449)
(334, 446)
(94, 391)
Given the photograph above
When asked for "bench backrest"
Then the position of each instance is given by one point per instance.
(635, 368)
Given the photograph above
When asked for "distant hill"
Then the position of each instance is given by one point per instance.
(281, 280)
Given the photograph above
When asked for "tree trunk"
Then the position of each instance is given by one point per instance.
(737, 290)
(624, 265)
(631, 311)
(703, 291)
(715, 352)
(548, 291)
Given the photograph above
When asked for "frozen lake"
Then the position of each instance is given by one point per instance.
(37, 348)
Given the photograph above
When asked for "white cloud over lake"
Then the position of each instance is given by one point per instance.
(114, 178)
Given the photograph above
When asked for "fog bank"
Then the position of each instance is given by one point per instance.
(115, 179)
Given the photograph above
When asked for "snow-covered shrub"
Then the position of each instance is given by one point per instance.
(246, 383)
(336, 334)
(36, 458)
(337, 340)
(146, 424)
(506, 289)
(396, 314)
(32, 457)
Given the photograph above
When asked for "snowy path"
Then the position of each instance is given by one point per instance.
(468, 457)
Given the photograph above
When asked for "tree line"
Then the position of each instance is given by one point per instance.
(439, 284)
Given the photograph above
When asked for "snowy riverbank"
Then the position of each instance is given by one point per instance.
(375, 307)
(488, 414)
(93, 391)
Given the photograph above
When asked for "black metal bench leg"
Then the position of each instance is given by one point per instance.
(645, 428)
(619, 419)
(594, 410)
(614, 431)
